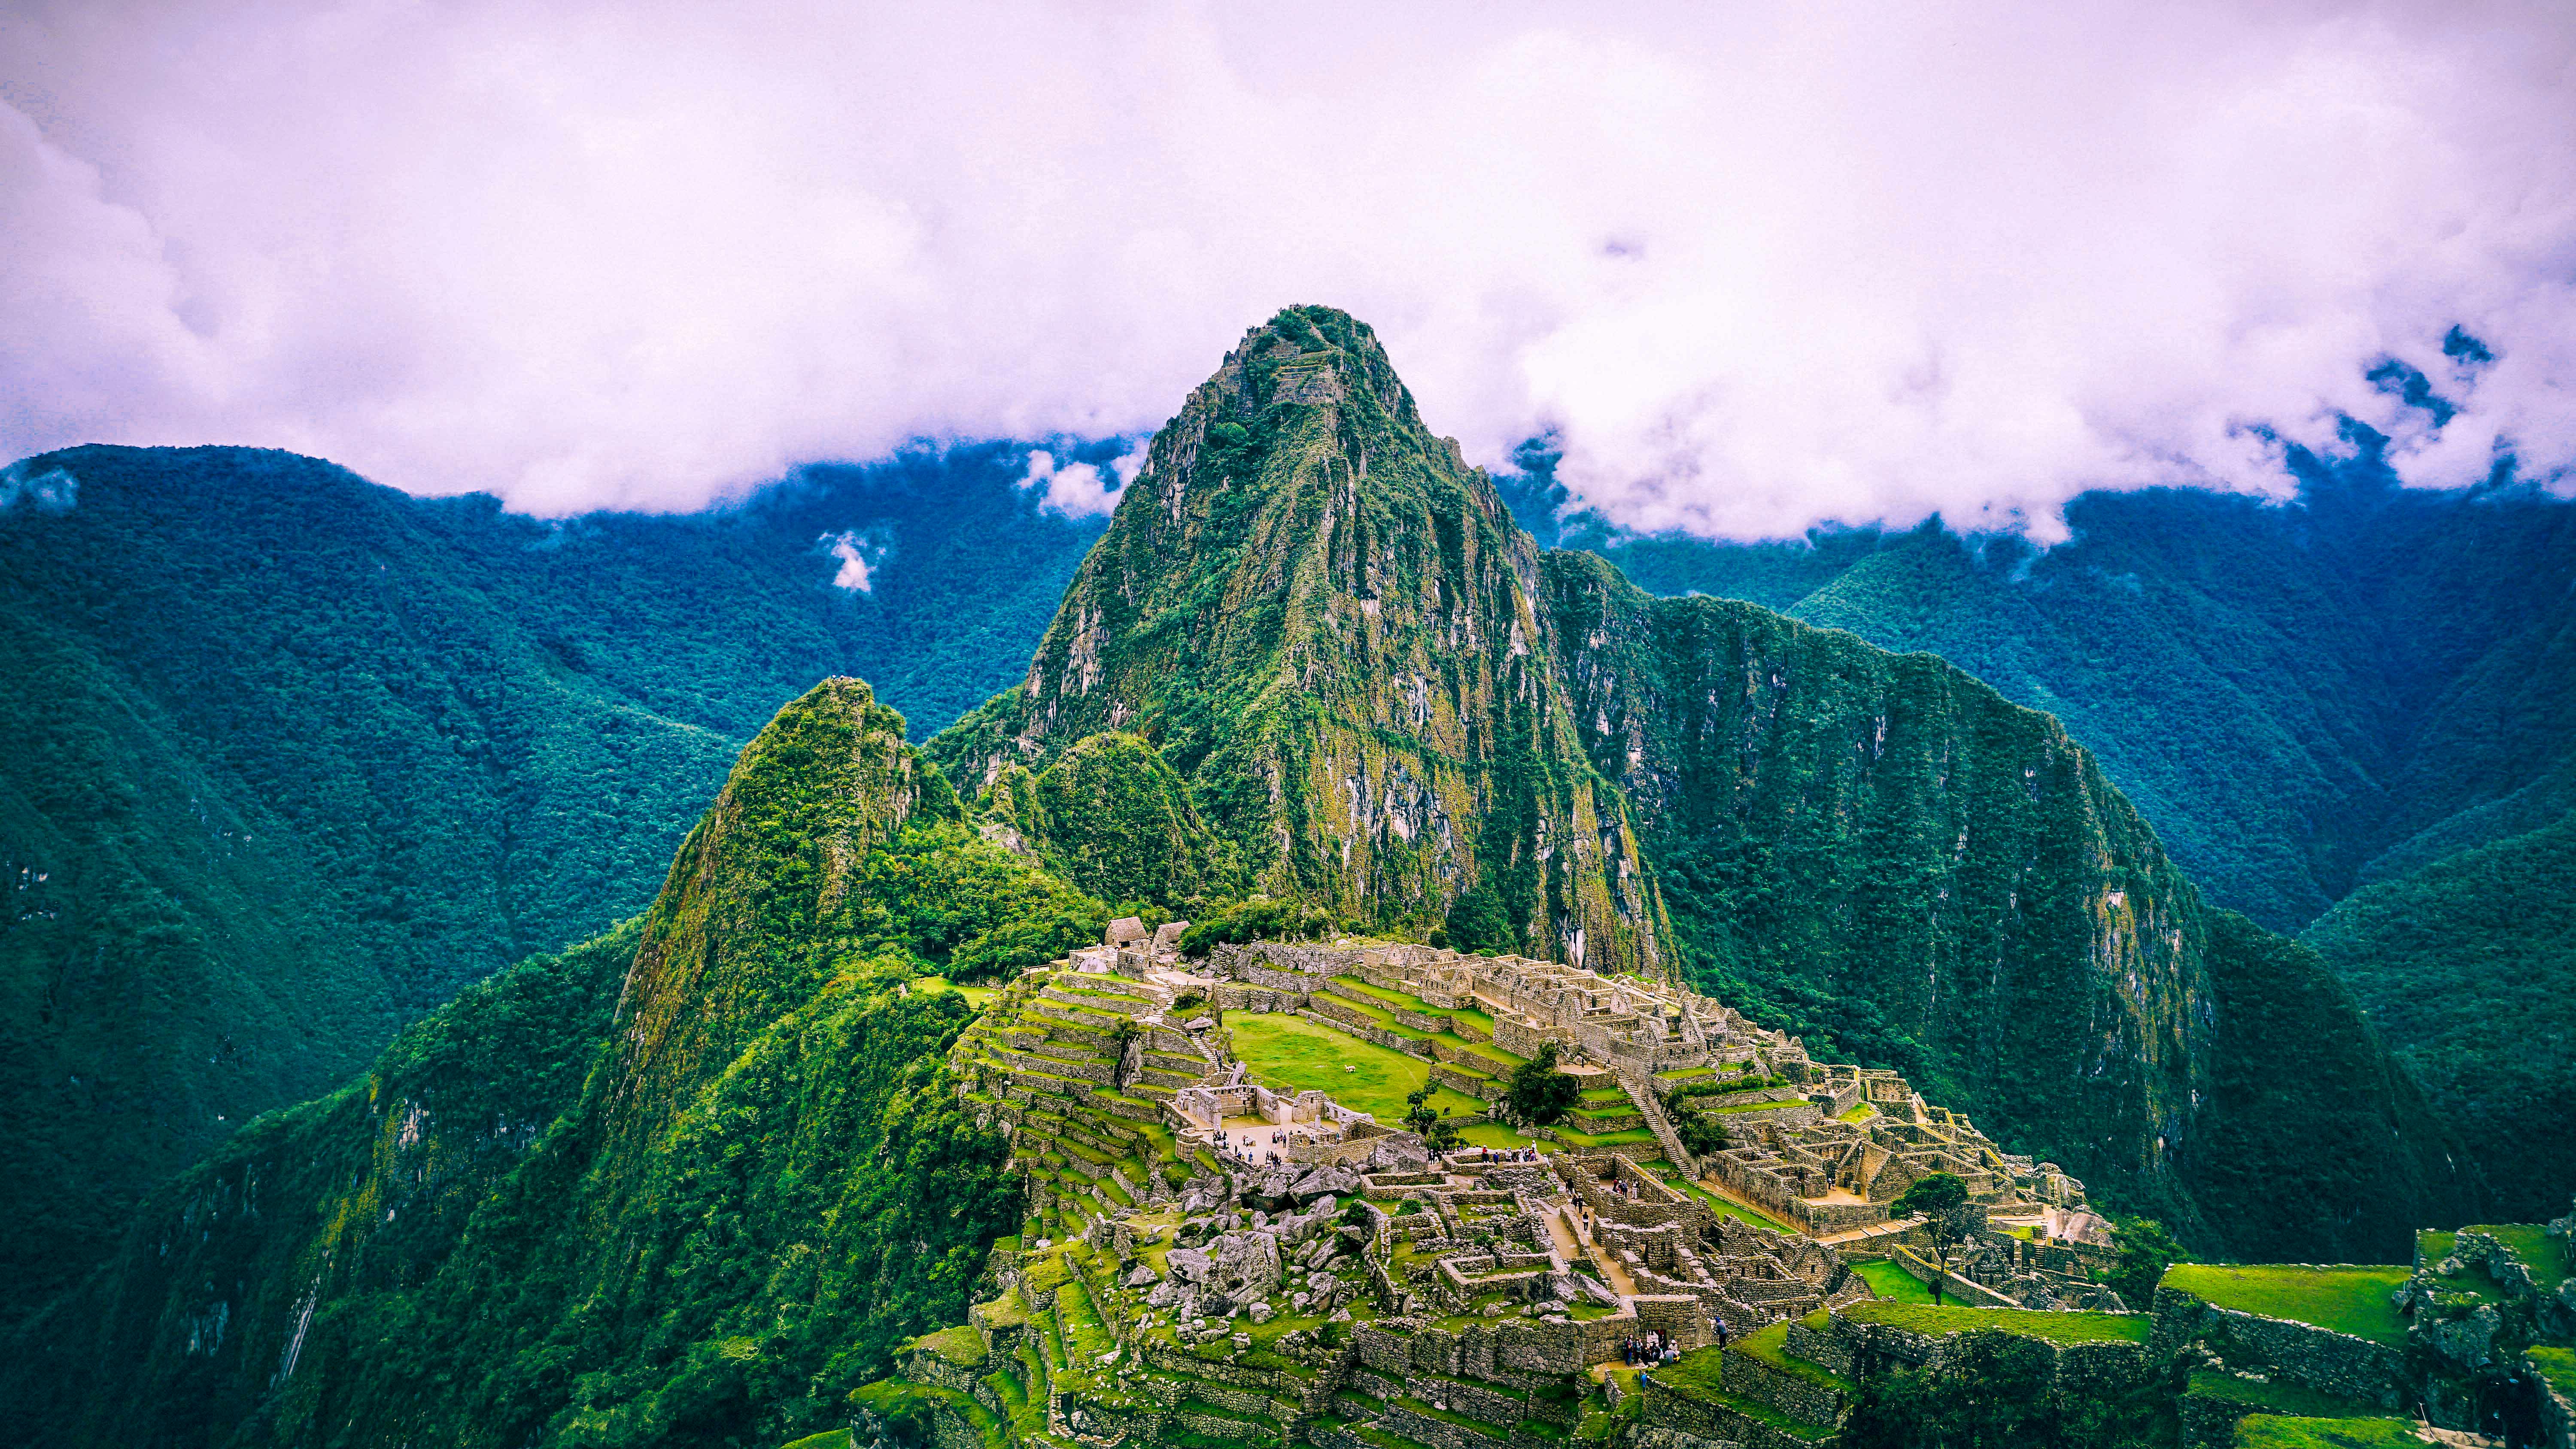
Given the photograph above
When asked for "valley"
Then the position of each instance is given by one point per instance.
(933, 1097)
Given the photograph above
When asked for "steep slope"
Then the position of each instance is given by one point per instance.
(293, 757)
(2473, 961)
(759, 1185)
(1887, 851)
(1325, 621)
(2308, 700)
(1113, 817)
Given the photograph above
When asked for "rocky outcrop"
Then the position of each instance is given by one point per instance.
(1329, 625)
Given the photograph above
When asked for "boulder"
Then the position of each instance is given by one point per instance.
(1329, 1178)
(1140, 1276)
(1399, 1154)
(1191, 1265)
(1243, 1265)
(1260, 1311)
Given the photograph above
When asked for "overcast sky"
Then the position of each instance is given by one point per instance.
(1757, 266)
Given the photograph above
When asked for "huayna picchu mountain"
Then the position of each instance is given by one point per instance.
(1314, 661)
(1329, 625)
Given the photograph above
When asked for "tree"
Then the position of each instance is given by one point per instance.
(2146, 1251)
(1941, 1200)
(1435, 1127)
(1478, 923)
(1539, 1092)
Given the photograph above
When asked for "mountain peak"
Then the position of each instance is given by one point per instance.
(1324, 619)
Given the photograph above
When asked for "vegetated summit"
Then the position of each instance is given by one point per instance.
(722, 1200)
(1379, 693)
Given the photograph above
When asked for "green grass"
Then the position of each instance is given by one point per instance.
(1292, 1052)
(2278, 1398)
(2271, 1431)
(975, 996)
(1892, 1282)
(959, 1344)
(898, 1400)
(1495, 1134)
(1770, 1348)
(2555, 1365)
(2027, 1322)
(2343, 1300)
(1626, 1137)
(828, 1439)
(1700, 1376)
(1671, 1177)
(2544, 1255)
(1858, 1112)
(1403, 1000)
(1756, 1106)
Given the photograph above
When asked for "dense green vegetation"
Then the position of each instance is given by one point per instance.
(1111, 816)
(2365, 695)
(293, 757)
(2470, 963)
(714, 1214)
(1885, 856)
(1323, 621)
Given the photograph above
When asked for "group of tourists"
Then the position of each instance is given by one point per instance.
(1227, 1146)
(1652, 1350)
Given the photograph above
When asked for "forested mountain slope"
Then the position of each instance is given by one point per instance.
(1327, 624)
(294, 757)
(1881, 850)
(2305, 699)
(558, 1210)
(1371, 681)
(765, 1179)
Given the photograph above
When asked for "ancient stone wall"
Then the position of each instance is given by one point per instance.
(2329, 1362)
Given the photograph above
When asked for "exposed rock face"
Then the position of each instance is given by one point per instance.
(1328, 624)
(1889, 830)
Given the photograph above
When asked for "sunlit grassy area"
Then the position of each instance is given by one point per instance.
(2028, 1322)
(1293, 1053)
(975, 996)
(1892, 1282)
(2267, 1431)
(2544, 1255)
(2344, 1300)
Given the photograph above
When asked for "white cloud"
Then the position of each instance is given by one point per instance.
(54, 490)
(859, 556)
(1756, 265)
(1077, 490)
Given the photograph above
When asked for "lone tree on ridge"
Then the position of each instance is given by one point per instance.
(1941, 1199)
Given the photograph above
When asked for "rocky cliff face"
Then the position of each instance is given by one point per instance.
(1328, 624)
(1885, 830)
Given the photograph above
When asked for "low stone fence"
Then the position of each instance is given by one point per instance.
(1793, 1394)
(1477, 1084)
(2320, 1358)
(1709, 1420)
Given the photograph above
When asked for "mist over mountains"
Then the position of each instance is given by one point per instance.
(307, 755)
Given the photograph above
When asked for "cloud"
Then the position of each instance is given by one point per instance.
(1077, 490)
(53, 490)
(1754, 266)
(859, 554)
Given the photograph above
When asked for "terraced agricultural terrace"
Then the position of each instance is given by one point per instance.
(1232, 1237)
